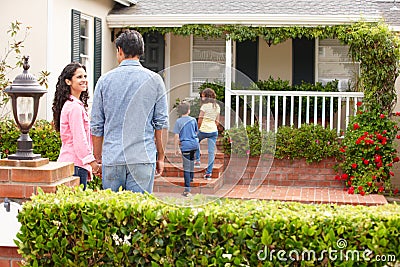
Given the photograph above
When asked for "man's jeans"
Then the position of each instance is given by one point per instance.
(211, 140)
(188, 167)
(134, 177)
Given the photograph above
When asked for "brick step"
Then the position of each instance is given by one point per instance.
(278, 172)
(177, 159)
(176, 185)
(176, 170)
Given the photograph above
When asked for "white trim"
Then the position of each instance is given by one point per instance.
(90, 56)
(177, 20)
(49, 60)
(167, 66)
(394, 28)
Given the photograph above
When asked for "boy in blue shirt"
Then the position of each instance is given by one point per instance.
(187, 142)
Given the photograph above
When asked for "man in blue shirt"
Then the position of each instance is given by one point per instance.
(186, 141)
(129, 120)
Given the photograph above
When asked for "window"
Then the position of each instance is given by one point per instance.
(209, 61)
(86, 45)
(334, 62)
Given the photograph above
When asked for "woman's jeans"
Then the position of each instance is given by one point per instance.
(83, 175)
(188, 167)
(211, 140)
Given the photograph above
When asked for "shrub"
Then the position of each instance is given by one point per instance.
(248, 141)
(369, 152)
(105, 228)
(9, 134)
(312, 142)
(46, 140)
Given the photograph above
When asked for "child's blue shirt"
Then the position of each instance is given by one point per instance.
(187, 129)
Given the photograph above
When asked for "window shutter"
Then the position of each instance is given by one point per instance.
(75, 35)
(97, 49)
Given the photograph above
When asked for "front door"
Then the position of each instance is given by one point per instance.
(153, 57)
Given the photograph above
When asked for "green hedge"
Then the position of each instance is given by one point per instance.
(46, 141)
(311, 142)
(86, 228)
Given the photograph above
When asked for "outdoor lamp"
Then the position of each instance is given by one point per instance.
(25, 93)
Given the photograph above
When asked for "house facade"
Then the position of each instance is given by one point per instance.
(84, 30)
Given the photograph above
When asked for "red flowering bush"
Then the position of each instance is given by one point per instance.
(369, 151)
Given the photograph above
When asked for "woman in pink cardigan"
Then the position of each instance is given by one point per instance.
(72, 121)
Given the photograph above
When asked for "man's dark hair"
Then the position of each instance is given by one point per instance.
(131, 42)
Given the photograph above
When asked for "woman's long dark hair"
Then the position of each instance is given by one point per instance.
(63, 91)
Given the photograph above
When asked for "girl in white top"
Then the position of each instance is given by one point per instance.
(207, 123)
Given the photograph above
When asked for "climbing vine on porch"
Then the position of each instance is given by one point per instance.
(371, 44)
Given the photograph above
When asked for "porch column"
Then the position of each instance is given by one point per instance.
(228, 81)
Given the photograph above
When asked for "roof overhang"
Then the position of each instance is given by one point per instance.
(266, 20)
(126, 2)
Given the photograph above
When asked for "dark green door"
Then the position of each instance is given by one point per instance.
(303, 61)
(153, 57)
(247, 62)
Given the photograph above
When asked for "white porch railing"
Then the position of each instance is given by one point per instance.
(333, 109)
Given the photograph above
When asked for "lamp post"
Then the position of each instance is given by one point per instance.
(25, 93)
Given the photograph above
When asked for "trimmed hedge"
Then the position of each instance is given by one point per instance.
(86, 228)
(45, 139)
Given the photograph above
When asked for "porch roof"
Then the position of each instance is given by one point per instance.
(175, 13)
(390, 12)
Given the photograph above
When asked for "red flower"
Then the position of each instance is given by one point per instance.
(379, 164)
(391, 173)
(396, 159)
(351, 190)
(337, 177)
(366, 162)
(384, 132)
(359, 103)
(362, 193)
(396, 191)
(342, 149)
(360, 188)
(397, 113)
(379, 136)
(354, 165)
(369, 184)
(380, 190)
(345, 176)
(378, 158)
(382, 116)
(398, 136)
(356, 126)
(349, 182)
(390, 164)
(373, 177)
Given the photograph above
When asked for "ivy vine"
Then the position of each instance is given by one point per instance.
(371, 44)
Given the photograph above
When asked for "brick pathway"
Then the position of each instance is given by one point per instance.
(305, 195)
(308, 195)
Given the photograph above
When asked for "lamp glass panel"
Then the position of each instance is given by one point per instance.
(25, 111)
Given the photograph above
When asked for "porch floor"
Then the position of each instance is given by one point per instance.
(309, 195)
